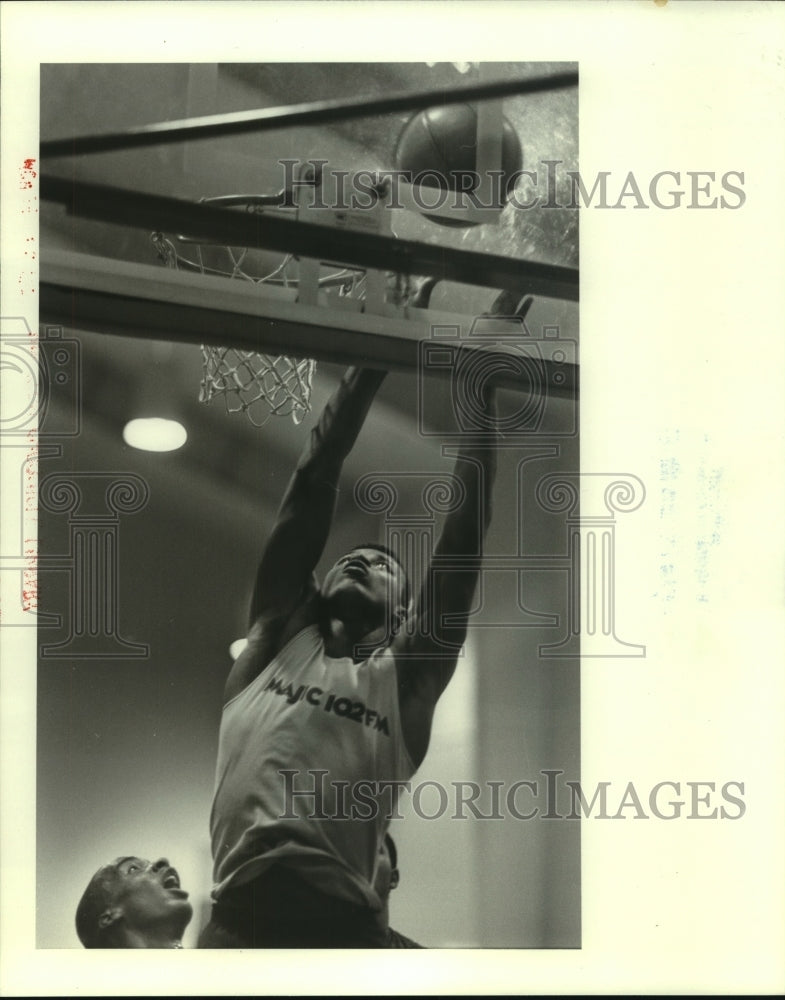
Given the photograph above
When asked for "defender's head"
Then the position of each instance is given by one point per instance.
(133, 903)
(369, 579)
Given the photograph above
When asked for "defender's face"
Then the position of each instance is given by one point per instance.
(370, 573)
(149, 893)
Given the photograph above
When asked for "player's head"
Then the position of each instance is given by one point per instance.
(372, 574)
(133, 903)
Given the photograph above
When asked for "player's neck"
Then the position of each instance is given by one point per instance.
(345, 637)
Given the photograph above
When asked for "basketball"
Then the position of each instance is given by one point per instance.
(440, 145)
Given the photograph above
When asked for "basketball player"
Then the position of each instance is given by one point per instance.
(123, 905)
(331, 703)
(132, 903)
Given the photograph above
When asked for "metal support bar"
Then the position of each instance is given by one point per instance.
(107, 296)
(363, 250)
(316, 112)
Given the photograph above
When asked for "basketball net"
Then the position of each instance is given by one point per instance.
(259, 385)
(263, 385)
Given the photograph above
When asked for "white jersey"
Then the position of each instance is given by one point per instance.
(303, 755)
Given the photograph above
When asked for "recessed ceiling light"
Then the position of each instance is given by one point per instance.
(155, 434)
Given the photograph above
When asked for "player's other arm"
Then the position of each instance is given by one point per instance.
(427, 653)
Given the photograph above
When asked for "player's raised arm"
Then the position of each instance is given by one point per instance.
(303, 522)
(427, 651)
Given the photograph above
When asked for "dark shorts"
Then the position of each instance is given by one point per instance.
(281, 910)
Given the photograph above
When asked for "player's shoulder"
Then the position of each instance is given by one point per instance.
(270, 632)
(268, 635)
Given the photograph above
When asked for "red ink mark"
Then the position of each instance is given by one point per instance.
(29, 590)
(29, 577)
(30, 496)
(28, 174)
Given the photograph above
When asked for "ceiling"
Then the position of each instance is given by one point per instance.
(122, 377)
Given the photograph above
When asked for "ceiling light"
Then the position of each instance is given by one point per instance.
(155, 434)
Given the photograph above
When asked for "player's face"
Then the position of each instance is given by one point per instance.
(149, 894)
(374, 574)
